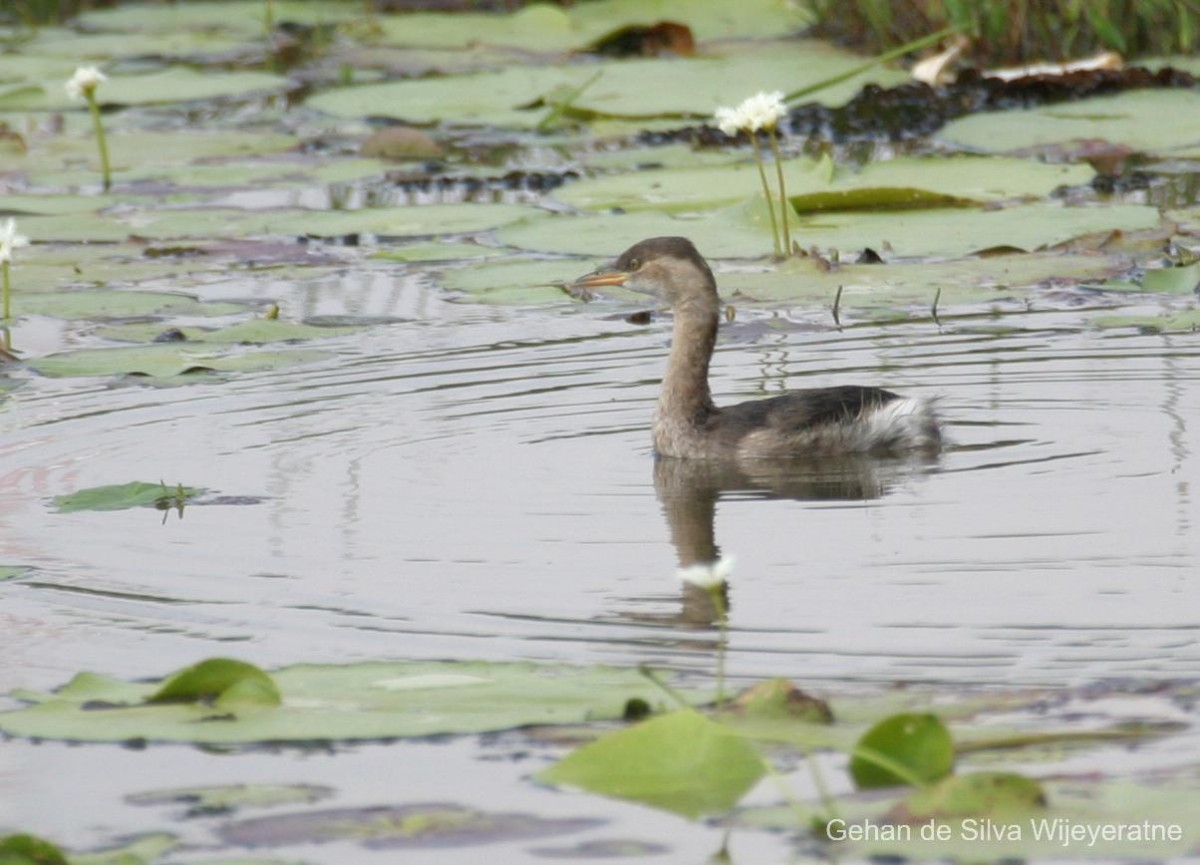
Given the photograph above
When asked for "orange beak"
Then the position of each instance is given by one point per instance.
(600, 278)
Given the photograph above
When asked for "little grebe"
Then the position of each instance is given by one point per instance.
(804, 423)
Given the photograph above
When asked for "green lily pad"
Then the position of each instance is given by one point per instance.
(142, 153)
(1164, 122)
(743, 232)
(866, 286)
(683, 87)
(422, 825)
(94, 304)
(223, 799)
(681, 762)
(256, 331)
(520, 281)
(330, 702)
(222, 682)
(101, 47)
(135, 494)
(11, 572)
(165, 360)
(1187, 321)
(900, 183)
(903, 749)
(1172, 280)
(29, 850)
(978, 794)
(171, 85)
(438, 251)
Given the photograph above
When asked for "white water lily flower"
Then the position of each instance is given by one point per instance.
(760, 111)
(85, 81)
(10, 240)
(709, 575)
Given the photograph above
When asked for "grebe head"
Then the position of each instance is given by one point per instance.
(667, 267)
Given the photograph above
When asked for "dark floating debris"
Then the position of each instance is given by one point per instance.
(664, 38)
(916, 110)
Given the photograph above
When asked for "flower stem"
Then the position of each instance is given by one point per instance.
(7, 291)
(101, 141)
(762, 175)
(717, 593)
(784, 204)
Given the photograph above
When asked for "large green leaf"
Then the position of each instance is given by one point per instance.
(95, 304)
(255, 331)
(682, 762)
(682, 87)
(118, 497)
(223, 682)
(1163, 122)
(742, 231)
(330, 702)
(174, 84)
(165, 360)
(903, 749)
(897, 183)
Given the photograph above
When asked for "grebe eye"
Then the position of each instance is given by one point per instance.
(635, 263)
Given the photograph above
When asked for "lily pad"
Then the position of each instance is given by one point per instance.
(1163, 122)
(135, 494)
(166, 360)
(222, 682)
(29, 850)
(342, 703)
(978, 794)
(93, 304)
(1187, 321)
(681, 762)
(684, 87)
(171, 85)
(423, 825)
(742, 231)
(438, 251)
(903, 749)
(204, 801)
(256, 331)
(812, 185)
(11, 572)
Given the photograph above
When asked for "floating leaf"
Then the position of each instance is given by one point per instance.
(904, 183)
(165, 361)
(779, 698)
(692, 87)
(978, 794)
(1187, 321)
(219, 681)
(29, 850)
(681, 762)
(255, 331)
(903, 749)
(332, 702)
(740, 231)
(1172, 280)
(92, 304)
(398, 827)
(11, 572)
(119, 497)
(203, 801)
(1151, 121)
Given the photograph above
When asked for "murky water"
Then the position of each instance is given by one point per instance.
(477, 482)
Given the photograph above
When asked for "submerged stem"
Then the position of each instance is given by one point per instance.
(784, 204)
(101, 141)
(716, 592)
(7, 279)
(762, 175)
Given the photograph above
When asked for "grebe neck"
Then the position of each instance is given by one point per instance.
(685, 395)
